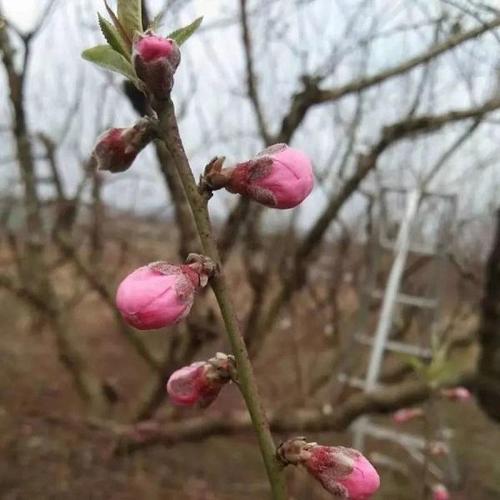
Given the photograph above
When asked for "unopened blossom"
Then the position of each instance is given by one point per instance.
(199, 383)
(344, 472)
(155, 61)
(278, 177)
(457, 394)
(406, 414)
(440, 492)
(117, 148)
(160, 294)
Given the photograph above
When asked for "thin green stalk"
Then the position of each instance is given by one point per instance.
(170, 135)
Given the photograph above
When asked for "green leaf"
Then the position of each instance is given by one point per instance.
(130, 16)
(118, 25)
(442, 372)
(418, 366)
(112, 36)
(155, 24)
(106, 57)
(182, 34)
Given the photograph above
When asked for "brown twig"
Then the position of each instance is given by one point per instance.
(248, 385)
(312, 95)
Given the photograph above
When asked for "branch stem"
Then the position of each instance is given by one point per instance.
(171, 137)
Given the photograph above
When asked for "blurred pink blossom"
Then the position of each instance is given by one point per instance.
(457, 394)
(406, 414)
(440, 492)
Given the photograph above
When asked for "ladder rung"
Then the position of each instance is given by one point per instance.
(389, 244)
(409, 300)
(356, 382)
(388, 462)
(415, 445)
(395, 346)
(381, 432)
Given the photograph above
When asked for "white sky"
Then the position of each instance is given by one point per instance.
(23, 13)
(219, 120)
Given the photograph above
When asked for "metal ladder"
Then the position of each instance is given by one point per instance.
(380, 343)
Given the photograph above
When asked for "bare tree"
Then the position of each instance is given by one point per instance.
(365, 119)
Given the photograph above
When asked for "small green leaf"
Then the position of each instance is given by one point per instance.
(442, 372)
(106, 57)
(130, 16)
(418, 366)
(112, 36)
(118, 25)
(182, 34)
(155, 24)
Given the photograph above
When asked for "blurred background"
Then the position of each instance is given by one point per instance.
(397, 103)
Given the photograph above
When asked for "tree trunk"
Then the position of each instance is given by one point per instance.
(488, 370)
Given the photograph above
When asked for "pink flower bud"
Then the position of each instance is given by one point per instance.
(342, 471)
(406, 414)
(117, 148)
(199, 383)
(440, 492)
(457, 394)
(278, 177)
(155, 61)
(159, 294)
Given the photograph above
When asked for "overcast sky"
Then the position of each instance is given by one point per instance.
(25, 12)
(21, 12)
(288, 41)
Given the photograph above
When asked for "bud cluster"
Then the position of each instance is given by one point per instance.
(160, 294)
